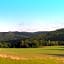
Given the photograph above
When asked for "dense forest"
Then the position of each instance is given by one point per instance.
(31, 39)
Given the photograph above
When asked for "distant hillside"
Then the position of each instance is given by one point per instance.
(56, 35)
(31, 39)
(47, 35)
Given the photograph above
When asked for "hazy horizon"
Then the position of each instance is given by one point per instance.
(31, 15)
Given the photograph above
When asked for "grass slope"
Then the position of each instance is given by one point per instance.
(34, 55)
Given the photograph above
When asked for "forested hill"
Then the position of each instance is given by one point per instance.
(46, 35)
(5, 36)
(31, 39)
(57, 35)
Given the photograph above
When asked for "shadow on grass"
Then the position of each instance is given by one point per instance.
(59, 55)
(62, 47)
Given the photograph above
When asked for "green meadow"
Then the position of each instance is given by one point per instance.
(44, 55)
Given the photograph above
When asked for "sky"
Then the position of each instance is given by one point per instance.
(31, 15)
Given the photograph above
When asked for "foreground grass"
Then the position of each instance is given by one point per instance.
(34, 55)
(33, 61)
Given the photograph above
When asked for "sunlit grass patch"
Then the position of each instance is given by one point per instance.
(32, 61)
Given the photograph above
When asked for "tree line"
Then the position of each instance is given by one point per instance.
(31, 40)
(29, 43)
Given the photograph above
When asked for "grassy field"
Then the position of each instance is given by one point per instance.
(44, 55)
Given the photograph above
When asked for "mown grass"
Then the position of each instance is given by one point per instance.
(31, 53)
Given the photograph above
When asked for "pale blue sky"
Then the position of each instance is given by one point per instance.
(31, 15)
